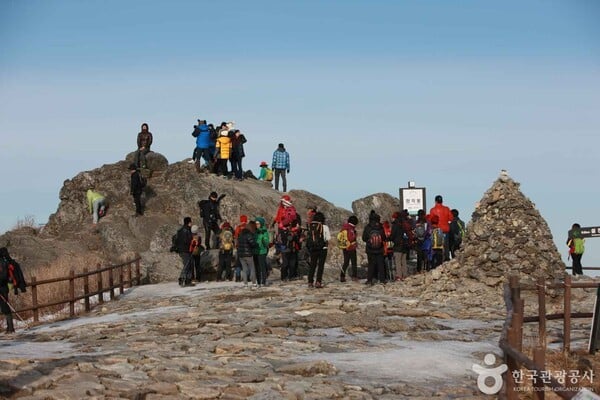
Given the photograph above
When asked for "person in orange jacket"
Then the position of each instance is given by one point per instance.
(444, 218)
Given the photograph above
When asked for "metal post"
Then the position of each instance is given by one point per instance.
(567, 320)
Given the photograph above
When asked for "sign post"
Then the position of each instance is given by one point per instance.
(590, 231)
(595, 333)
(413, 199)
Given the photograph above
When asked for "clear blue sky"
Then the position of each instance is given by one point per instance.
(366, 95)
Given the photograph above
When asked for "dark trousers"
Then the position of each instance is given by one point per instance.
(197, 267)
(577, 268)
(422, 262)
(186, 271)
(236, 167)
(317, 263)
(261, 269)
(137, 199)
(437, 258)
(221, 168)
(279, 172)
(376, 266)
(225, 265)
(289, 265)
(349, 258)
(208, 229)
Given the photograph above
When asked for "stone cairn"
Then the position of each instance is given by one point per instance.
(506, 236)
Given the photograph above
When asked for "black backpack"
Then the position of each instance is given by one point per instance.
(375, 239)
(315, 239)
(203, 204)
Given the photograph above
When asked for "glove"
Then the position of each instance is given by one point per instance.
(288, 171)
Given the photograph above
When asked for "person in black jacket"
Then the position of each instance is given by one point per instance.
(237, 154)
(245, 252)
(374, 236)
(10, 272)
(183, 243)
(136, 189)
(209, 212)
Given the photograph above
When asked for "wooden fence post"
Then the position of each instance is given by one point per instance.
(137, 271)
(86, 290)
(111, 283)
(567, 319)
(539, 359)
(100, 286)
(129, 280)
(121, 288)
(34, 300)
(541, 286)
(71, 293)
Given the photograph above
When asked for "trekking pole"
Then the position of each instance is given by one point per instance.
(11, 307)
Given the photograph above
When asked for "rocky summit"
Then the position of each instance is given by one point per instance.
(219, 340)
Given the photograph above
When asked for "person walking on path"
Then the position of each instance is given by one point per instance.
(349, 250)
(96, 204)
(183, 243)
(245, 252)
(10, 274)
(317, 240)
(281, 165)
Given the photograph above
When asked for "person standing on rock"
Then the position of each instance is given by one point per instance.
(202, 152)
(136, 188)
(237, 154)
(144, 141)
(245, 252)
(349, 251)
(209, 212)
(96, 204)
(183, 242)
(223, 152)
(374, 237)
(444, 218)
(281, 165)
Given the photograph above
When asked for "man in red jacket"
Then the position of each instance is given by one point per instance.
(444, 218)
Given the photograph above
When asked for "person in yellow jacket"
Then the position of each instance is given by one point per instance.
(96, 204)
(223, 147)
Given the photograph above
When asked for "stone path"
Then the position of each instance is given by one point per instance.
(284, 341)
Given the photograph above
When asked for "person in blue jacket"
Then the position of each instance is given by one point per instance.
(202, 151)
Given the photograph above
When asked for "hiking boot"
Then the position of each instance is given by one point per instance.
(318, 285)
(342, 279)
(180, 282)
(10, 328)
(310, 285)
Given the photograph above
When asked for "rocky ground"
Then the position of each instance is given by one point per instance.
(284, 341)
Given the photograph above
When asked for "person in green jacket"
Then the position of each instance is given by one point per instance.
(262, 240)
(96, 204)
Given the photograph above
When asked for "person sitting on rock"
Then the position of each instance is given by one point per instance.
(144, 141)
(96, 205)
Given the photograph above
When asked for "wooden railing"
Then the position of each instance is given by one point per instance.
(119, 276)
(511, 340)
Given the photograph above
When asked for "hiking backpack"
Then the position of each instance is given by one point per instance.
(202, 205)
(226, 240)
(437, 239)
(289, 216)
(173, 248)
(420, 231)
(375, 241)
(269, 175)
(342, 239)
(315, 239)
(282, 240)
(578, 245)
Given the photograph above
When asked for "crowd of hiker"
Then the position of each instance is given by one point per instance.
(389, 245)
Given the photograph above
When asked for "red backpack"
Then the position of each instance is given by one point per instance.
(289, 216)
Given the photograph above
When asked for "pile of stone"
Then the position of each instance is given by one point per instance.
(506, 236)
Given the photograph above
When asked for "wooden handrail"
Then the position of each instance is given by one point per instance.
(73, 298)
